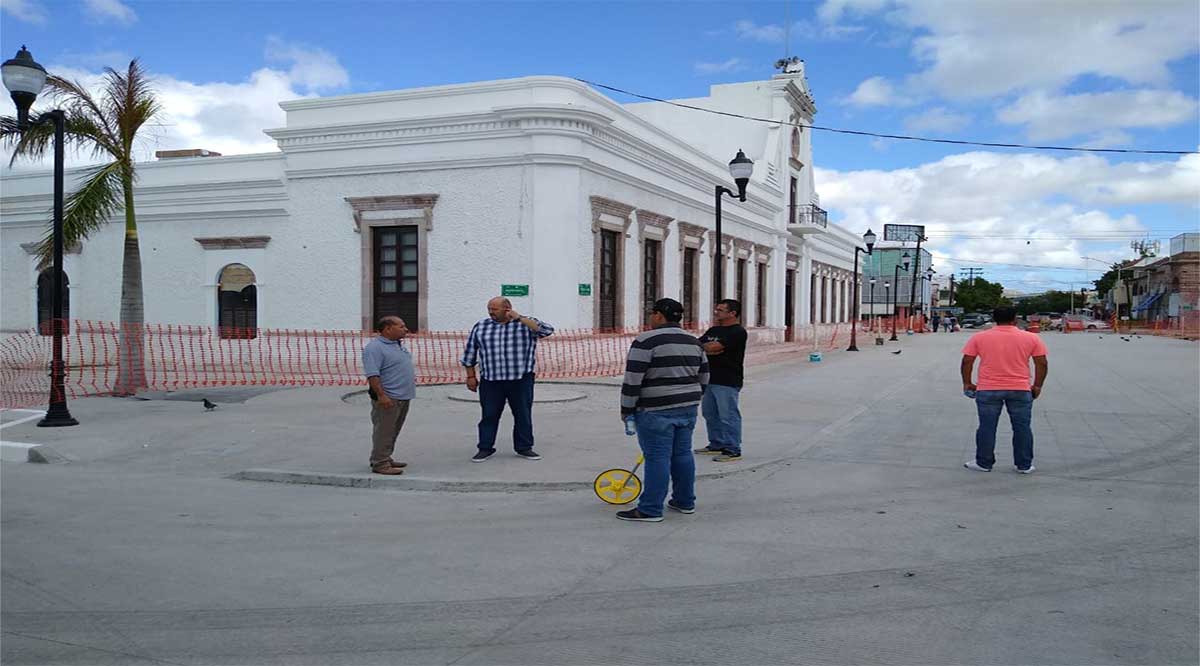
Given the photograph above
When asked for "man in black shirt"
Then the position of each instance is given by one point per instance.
(725, 345)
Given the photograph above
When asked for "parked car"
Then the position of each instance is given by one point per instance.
(1048, 320)
(972, 321)
(1089, 324)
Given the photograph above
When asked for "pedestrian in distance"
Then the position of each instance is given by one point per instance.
(504, 346)
(1004, 352)
(665, 374)
(935, 321)
(725, 345)
(392, 384)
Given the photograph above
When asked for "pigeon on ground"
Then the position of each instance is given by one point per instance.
(897, 351)
(209, 405)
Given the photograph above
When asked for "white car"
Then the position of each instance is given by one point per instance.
(1089, 324)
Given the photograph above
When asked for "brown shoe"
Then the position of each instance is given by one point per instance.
(399, 464)
(392, 471)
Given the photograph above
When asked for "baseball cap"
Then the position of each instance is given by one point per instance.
(668, 307)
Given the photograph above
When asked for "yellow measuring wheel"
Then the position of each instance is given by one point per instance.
(619, 486)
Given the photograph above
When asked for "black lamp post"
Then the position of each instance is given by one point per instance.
(928, 278)
(912, 296)
(871, 315)
(869, 239)
(896, 281)
(887, 303)
(25, 78)
(740, 167)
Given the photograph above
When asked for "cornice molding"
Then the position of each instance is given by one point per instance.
(234, 242)
(71, 248)
(394, 202)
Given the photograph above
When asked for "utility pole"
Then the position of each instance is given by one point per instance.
(951, 303)
(972, 273)
(913, 277)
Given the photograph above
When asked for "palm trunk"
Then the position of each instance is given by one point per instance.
(131, 371)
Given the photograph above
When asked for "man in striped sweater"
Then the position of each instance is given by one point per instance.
(665, 375)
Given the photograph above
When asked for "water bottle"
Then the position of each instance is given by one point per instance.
(629, 427)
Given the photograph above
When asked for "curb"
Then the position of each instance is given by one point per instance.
(378, 482)
(31, 453)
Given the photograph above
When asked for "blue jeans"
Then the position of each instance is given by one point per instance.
(518, 393)
(1020, 413)
(666, 440)
(722, 418)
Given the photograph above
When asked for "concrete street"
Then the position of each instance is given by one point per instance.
(849, 534)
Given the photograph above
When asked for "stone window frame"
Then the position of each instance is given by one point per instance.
(727, 251)
(743, 250)
(692, 236)
(762, 261)
(392, 211)
(652, 226)
(609, 215)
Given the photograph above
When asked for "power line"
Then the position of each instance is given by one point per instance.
(901, 137)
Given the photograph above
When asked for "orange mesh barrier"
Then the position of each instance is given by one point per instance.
(181, 356)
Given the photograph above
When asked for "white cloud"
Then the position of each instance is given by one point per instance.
(759, 33)
(1050, 116)
(985, 206)
(313, 68)
(875, 91)
(806, 30)
(731, 65)
(937, 120)
(991, 47)
(227, 117)
(29, 11)
(110, 10)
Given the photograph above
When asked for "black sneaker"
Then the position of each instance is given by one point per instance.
(528, 454)
(638, 516)
(728, 455)
(675, 507)
(482, 455)
(707, 451)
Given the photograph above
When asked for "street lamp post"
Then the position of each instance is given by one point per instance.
(25, 78)
(912, 296)
(740, 167)
(869, 239)
(928, 278)
(887, 304)
(871, 315)
(896, 281)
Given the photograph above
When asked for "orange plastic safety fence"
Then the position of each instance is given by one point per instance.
(105, 358)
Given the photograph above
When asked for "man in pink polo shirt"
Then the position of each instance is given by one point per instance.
(1004, 353)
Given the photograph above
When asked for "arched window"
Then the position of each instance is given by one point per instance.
(45, 301)
(237, 303)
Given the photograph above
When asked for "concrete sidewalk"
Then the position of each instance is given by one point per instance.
(321, 435)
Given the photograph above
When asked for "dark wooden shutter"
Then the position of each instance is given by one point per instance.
(689, 285)
(607, 294)
(397, 274)
(650, 275)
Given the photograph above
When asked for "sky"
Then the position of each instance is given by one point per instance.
(1075, 73)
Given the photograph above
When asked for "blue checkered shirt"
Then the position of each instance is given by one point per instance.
(504, 352)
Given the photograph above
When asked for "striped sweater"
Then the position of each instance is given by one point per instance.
(666, 369)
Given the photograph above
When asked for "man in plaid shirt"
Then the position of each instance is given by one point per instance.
(504, 347)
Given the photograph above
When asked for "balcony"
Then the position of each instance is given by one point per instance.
(806, 219)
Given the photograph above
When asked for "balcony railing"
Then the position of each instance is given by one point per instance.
(809, 216)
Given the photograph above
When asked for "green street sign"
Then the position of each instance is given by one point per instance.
(514, 290)
(585, 289)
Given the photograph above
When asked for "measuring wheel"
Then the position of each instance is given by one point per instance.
(617, 486)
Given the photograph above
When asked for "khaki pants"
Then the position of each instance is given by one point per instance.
(387, 424)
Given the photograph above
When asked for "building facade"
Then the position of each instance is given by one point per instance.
(881, 265)
(427, 202)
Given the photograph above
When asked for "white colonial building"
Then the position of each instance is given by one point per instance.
(427, 202)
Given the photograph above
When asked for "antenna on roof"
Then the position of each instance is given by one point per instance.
(787, 29)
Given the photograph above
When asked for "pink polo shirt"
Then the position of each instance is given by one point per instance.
(1004, 353)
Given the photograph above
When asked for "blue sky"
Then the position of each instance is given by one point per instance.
(1119, 75)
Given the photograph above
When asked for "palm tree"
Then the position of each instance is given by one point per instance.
(104, 127)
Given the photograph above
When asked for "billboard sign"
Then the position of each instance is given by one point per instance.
(908, 233)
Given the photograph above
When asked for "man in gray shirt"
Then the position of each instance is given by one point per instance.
(388, 367)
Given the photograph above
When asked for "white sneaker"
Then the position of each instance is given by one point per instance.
(971, 464)
(1031, 470)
